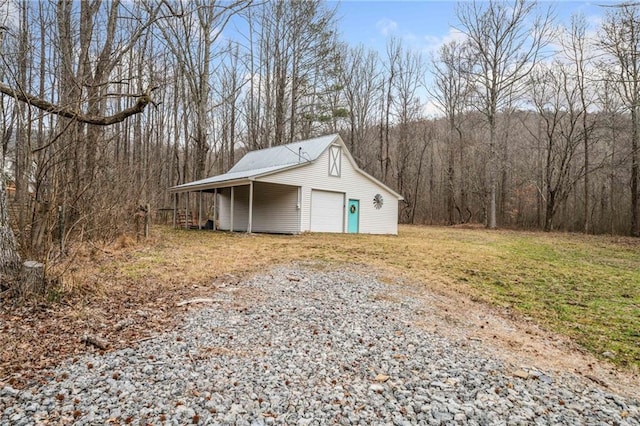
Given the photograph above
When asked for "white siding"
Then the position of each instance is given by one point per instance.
(354, 184)
(240, 208)
(275, 208)
(327, 211)
(223, 208)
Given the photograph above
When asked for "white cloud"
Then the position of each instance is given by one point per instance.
(386, 26)
(431, 109)
(433, 43)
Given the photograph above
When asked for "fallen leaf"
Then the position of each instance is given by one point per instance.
(382, 378)
(521, 374)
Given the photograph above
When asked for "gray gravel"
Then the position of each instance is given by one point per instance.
(304, 346)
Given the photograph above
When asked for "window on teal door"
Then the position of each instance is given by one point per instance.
(354, 216)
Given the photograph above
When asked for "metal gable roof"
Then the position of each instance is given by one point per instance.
(265, 161)
(284, 155)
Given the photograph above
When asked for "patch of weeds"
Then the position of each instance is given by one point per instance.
(54, 295)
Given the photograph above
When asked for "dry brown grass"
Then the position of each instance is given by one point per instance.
(139, 284)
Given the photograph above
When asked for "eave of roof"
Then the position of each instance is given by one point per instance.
(379, 183)
(232, 178)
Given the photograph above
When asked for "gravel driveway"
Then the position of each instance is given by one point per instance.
(302, 345)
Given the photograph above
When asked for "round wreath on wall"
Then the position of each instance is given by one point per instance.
(378, 201)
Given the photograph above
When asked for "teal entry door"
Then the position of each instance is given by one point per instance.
(354, 216)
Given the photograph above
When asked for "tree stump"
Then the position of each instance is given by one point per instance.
(31, 279)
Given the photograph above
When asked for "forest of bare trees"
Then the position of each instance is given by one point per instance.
(106, 104)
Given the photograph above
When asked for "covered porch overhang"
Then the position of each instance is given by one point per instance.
(214, 187)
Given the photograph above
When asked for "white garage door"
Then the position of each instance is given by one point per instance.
(327, 211)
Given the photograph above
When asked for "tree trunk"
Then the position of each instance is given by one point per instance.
(451, 176)
(587, 193)
(549, 211)
(463, 179)
(425, 143)
(9, 258)
(635, 135)
(491, 221)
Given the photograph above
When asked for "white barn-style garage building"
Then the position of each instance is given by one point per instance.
(312, 185)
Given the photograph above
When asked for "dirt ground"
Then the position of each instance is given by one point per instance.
(518, 341)
(38, 336)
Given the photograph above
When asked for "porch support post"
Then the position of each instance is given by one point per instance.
(175, 208)
(186, 213)
(231, 217)
(215, 208)
(299, 207)
(250, 207)
(200, 210)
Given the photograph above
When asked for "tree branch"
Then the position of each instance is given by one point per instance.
(62, 111)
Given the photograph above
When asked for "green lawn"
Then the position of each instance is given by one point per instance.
(585, 287)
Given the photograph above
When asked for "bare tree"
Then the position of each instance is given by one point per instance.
(361, 81)
(407, 110)
(620, 39)
(230, 81)
(293, 50)
(557, 100)
(192, 40)
(80, 87)
(394, 49)
(505, 41)
(575, 46)
(9, 258)
(451, 91)
(610, 131)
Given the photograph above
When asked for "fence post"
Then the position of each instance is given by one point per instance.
(61, 227)
(147, 207)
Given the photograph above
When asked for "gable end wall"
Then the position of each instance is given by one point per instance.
(352, 183)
